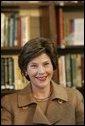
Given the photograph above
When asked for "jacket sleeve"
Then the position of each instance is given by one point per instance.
(79, 113)
(6, 116)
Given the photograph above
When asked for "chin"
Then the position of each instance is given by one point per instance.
(43, 84)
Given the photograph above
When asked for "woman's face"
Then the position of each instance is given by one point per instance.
(40, 71)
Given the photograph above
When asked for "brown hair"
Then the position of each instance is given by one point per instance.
(34, 48)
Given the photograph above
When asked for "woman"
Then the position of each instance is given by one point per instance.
(42, 101)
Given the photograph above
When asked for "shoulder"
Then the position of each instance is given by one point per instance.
(70, 94)
(74, 96)
(12, 99)
(9, 98)
(73, 93)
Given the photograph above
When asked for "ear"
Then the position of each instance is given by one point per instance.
(26, 73)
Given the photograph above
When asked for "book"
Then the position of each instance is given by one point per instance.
(78, 70)
(61, 69)
(11, 73)
(2, 73)
(2, 29)
(12, 31)
(82, 69)
(73, 69)
(78, 31)
(34, 26)
(19, 31)
(7, 73)
(20, 28)
(60, 26)
(19, 80)
(11, 77)
(68, 70)
(7, 31)
(25, 29)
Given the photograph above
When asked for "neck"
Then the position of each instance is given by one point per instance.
(41, 93)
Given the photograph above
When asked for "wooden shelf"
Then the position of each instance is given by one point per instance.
(61, 51)
(22, 5)
(69, 4)
(10, 51)
(71, 50)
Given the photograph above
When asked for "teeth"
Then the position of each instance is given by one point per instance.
(42, 78)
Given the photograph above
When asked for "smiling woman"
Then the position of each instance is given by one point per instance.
(42, 101)
(34, 48)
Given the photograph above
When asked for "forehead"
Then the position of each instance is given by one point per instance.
(41, 58)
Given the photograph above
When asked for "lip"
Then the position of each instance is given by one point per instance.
(43, 78)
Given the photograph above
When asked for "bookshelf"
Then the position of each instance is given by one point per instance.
(49, 17)
(35, 17)
(70, 42)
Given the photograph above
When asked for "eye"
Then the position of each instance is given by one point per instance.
(46, 63)
(33, 66)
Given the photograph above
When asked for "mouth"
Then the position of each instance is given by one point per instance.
(43, 78)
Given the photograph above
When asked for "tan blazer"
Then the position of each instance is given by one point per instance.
(65, 108)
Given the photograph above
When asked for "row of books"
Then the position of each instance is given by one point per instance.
(74, 31)
(70, 28)
(16, 29)
(70, 68)
(11, 77)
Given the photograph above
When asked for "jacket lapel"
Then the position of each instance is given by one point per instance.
(55, 107)
(53, 114)
(54, 110)
(39, 117)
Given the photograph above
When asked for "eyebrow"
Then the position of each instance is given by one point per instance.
(42, 62)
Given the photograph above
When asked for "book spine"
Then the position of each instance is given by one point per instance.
(19, 31)
(73, 70)
(2, 29)
(68, 70)
(60, 25)
(11, 72)
(2, 73)
(61, 66)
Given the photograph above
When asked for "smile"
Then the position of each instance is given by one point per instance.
(42, 78)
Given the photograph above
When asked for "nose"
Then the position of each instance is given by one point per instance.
(41, 69)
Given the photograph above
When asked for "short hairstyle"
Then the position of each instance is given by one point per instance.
(34, 48)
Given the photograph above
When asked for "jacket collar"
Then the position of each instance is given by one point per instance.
(53, 115)
(25, 96)
(59, 93)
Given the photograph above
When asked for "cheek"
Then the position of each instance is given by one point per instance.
(50, 70)
(31, 72)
